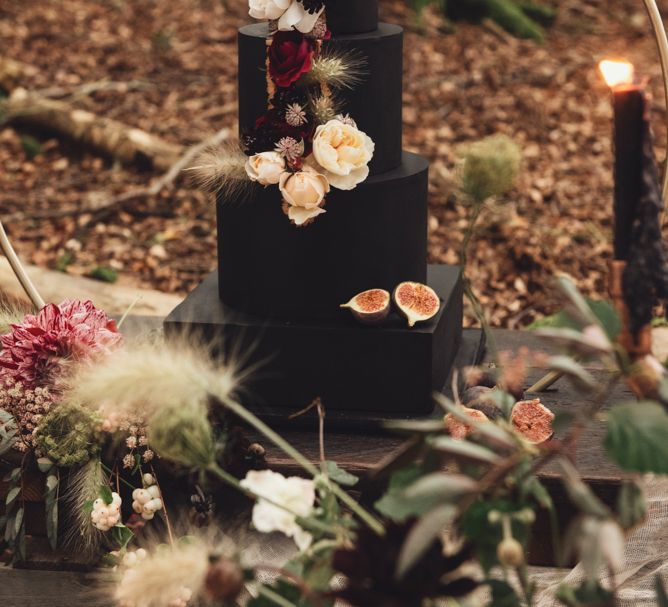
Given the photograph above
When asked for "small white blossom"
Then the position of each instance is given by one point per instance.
(295, 495)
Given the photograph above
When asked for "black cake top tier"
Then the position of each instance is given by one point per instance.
(352, 16)
(375, 102)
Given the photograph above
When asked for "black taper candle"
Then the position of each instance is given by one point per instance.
(629, 105)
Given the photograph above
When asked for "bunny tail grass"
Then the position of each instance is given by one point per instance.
(222, 169)
(338, 69)
(84, 485)
(141, 378)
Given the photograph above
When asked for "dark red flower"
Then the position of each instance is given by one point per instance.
(290, 56)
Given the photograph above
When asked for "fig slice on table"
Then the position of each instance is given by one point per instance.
(457, 428)
(370, 307)
(416, 302)
(532, 420)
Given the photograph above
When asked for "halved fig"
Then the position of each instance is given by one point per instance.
(416, 302)
(532, 420)
(457, 428)
(370, 307)
(479, 398)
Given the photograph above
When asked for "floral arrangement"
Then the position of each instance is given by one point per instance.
(303, 143)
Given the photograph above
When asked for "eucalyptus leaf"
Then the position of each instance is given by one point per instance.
(44, 464)
(575, 341)
(567, 366)
(631, 505)
(12, 494)
(587, 594)
(18, 520)
(52, 483)
(122, 535)
(636, 437)
(580, 494)
(52, 523)
(427, 426)
(446, 487)
(661, 596)
(340, 476)
(421, 537)
(106, 495)
(462, 448)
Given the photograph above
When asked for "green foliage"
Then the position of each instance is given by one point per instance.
(636, 437)
(13, 523)
(520, 18)
(631, 506)
(503, 594)
(104, 274)
(51, 503)
(589, 594)
(340, 476)
(122, 535)
(184, 435)
(602, 310)
(68, 435)
(485, 535)
(31, 146)
(661, 596)
(422, 536)
(491, 166)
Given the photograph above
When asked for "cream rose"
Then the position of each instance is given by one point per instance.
(297, 17)
(344, 152)
(268, 9)
(304, 193)
(266, 168)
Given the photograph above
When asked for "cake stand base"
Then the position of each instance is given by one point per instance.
(362, 374)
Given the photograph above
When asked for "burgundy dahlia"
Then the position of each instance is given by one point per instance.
(290, 56)
(34, 350)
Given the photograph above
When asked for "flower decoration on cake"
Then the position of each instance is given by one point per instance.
(303, 143)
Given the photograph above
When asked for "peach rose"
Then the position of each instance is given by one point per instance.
(343, 152)
(266, 168)
(304, 194)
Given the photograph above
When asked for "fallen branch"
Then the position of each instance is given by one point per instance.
(127, 144)
(99, 207)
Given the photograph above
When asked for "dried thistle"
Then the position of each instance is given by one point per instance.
(338, 69)
(490, 167)
(83, 486)
(222, 169)
(324, 108)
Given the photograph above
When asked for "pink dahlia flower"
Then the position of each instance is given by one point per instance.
(35, 350)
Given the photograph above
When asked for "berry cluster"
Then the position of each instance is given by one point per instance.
(105, 516)
(147, 501)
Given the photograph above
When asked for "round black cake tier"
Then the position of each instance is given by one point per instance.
(352, 16)
(375, 103)
(374, 236)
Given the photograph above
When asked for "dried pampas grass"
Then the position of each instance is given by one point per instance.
(142, 379)
(222, 169)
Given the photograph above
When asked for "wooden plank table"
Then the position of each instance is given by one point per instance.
(357, 452)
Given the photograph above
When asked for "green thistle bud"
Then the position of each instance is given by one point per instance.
(183, 434)
(491, 166)
(68, 435)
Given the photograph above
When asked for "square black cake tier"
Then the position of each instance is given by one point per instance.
(388, 369)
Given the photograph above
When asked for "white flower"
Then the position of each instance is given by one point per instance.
(343, 152)
(267, 9)
(291, 14)
(266, 168)
(295, 494)
(297, 17)
(304, 193)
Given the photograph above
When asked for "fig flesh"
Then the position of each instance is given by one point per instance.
(416, 302)
(457, 428)
(532, 420)
(370, 307)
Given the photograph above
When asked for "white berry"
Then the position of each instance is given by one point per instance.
(148, 479)
(154, 491)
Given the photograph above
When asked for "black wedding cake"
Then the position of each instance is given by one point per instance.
(332, 207)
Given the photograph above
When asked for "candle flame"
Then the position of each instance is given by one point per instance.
(617, 73)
